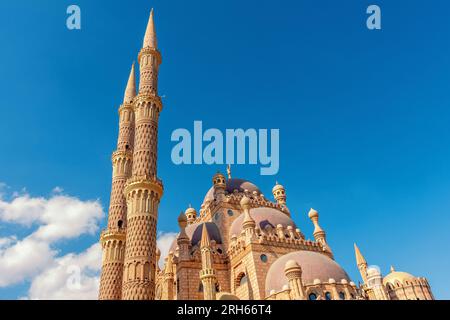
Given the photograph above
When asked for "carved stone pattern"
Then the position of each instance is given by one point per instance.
(113, 252)
(149, 65)
(142, 202)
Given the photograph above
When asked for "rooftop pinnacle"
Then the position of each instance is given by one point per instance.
(205, 237)
(359, 257)
(150, 34)
(130, 91)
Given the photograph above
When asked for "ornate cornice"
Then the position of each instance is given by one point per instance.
(144, 182)
(152, 51)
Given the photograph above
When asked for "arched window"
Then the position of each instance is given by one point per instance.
(342, 295)
(241, 279)
(327, 296)
(217, 287)
(200, 287)
(120, 223)
(312, 296)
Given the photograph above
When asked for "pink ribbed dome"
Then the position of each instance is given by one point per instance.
(314, 266)
(263, 216)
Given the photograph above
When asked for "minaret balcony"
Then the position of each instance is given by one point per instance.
(108, 234)
(144, 183)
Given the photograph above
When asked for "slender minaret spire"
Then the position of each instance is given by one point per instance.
(248, 224)
(144, 190)
(361, 263)
(113, 238)
(130, 91)
(150, 34)
(207, 274)
(149, 60)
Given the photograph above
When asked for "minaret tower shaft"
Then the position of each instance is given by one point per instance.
(113, 238)
(144, 190)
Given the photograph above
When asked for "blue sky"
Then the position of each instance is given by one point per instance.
(363, 115)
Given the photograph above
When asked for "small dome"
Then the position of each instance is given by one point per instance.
(276, 187)
(190, 210)
(182, 220)
(263, 217)
(315, 267)
(373, 271)
(398, 276)
(194, 233)
(313, 213)
(291, 264)
(234, 184)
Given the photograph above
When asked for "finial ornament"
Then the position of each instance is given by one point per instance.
(229, 171)
(392, 269)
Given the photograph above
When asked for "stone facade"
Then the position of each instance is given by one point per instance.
(240, 245)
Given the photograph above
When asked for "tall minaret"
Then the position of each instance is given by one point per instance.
(144, 190)
(113, 238)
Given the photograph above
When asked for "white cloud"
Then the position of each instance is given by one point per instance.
(164, 241)
(23, 259)
(7, 241)
(68, 217)
(22, 209)
(35, 256)
(70, 277)
(59, 217)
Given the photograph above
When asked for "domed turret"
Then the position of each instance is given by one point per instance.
(293, 273)
(219, 185)
(219, 180)
(279, 193)
(191, 214)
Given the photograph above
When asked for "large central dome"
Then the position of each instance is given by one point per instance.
(233, 184)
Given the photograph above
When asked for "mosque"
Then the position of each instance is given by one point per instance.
(240, 245)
